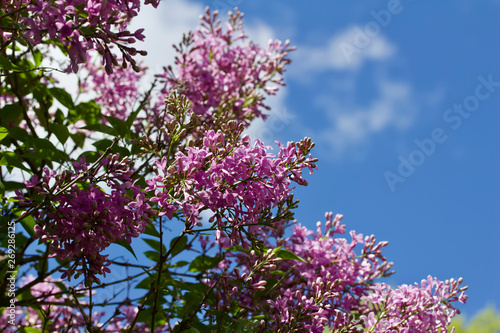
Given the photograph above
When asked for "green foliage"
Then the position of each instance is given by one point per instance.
(486, 321)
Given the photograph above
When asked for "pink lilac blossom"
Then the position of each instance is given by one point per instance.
(418, 308)
(232, 178)
(84, 220)
(77, 26)
(224, 77)
(336, 279)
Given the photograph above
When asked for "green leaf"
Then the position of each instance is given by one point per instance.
(277, 272)
(12, 186)
(180, 264)
(203, 262)
(13, 161)
(59, 117)
(90, 156)
(78, 139)
(126, 245)
(146, 283)
(3, 133)
(62, 96)
(151, 230)
(199, 289)
(47, 148)
(2, 189)
(60, 131)
(180, 246)
(20, 134)
(288, 255)
(6, 64)
(152, 255)
(101, 128)
(28, 224)
(155, 245)
(11, 113)
(37, 57)
(119, 125)
(89, 112)
(21, 240)
(45, 100)
(42, 144)
(103, 144)
(191, 330)
(144, 315)
(131, 118)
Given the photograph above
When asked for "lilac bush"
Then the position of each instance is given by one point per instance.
(170, 165)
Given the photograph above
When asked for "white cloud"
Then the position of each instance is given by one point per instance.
(347, 50)
(353, 125)
(164, 26)
(350, 124)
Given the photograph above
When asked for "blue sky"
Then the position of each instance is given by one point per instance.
(402, 99)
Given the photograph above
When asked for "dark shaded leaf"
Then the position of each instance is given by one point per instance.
(60, 131)
(11, 113)
(151, 230)
(180, 246)
(101, 128)
(119, 125)
(62, 96)
(126, 245)
(155, 245)
(203, 262)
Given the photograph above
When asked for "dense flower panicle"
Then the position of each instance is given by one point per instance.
(419, 308)
(85, 220)
(234, 179)
(337, 278)
(77, 25)
(224, 77)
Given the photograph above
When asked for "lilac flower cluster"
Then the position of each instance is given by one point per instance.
(224, 77)
(230, 177)
(333, 282)
(419, 308)
(83, 220)
(77, 26)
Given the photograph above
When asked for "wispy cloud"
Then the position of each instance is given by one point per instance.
(348, 57)
(342, 52)
(351, 125)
